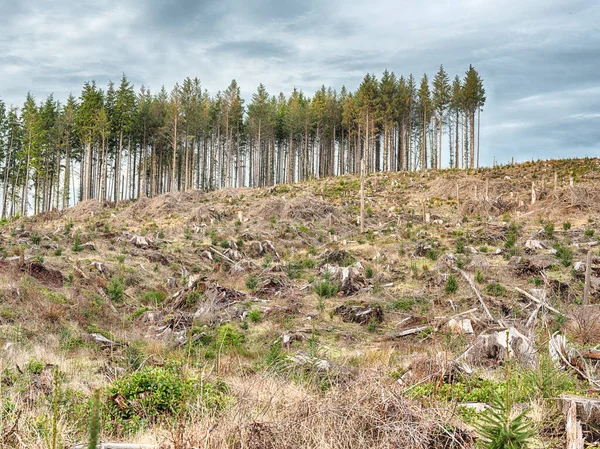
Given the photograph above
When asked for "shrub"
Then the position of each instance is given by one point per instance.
(479, 277)
(567, 225)
(589, 232)
(35, 366)
(499, 430)
(495, 289)
(564, 254)
(251, 282)
(36, 239)
(549, 229)
(325, 288)
(368, 271)
(460, 245)
(255, 315)
(228, 337)
(432, 255)
(451, 284)
(115, 289)
(152, 393)
(77, 246)
(154, 297)
(511, 238)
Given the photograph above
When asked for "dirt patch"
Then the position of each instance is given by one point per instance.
(48, 277)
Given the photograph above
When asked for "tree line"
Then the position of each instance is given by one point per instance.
(117, 144)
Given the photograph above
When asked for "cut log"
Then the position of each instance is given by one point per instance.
(586, 409)
(573, 428)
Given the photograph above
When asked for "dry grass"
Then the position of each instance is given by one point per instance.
(273, 413)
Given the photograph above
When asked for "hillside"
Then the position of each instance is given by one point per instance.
(263, 318)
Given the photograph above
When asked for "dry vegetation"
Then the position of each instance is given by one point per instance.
(262, 318)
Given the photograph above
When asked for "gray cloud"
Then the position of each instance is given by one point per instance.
(539, 59)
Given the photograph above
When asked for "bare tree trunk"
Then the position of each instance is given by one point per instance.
(588, 273)
(362, 195)
(174, 148)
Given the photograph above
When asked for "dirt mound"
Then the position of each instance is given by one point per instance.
(85, 209)
(307, 208)
(584, 198)
(209, 213)
(493, 207)
(169, 204)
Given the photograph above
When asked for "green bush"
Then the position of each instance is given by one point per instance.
(589, 232)
(158, 392)
(567, 225)
(564, 254)
(511, 238)
(498, 429)
(325, 288)
(460, 245)
(549, 229)
(255, 315)
(451, 284)
(228, 337)
(495, 289)
(35, 366)
(77, 246)
(479, 277)
(115, 289)
(154, 297)
(251, 282)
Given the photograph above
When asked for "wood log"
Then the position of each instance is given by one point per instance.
(573, 428)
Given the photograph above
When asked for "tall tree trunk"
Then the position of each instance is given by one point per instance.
(174, 159)
(7, 169)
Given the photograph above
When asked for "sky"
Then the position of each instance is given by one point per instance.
(539, 59)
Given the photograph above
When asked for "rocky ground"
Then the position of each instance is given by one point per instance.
(263, 318)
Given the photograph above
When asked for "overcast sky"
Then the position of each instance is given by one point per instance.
(539, 59)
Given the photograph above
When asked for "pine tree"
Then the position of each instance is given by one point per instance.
(441, 100)
(122, 120)
(425, 113)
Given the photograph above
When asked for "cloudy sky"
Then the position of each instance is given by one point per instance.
(540, 59)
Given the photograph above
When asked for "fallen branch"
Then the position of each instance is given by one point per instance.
(117, 446)
(221, 254)
(536, 300)
(404, 333)
(479, 297)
